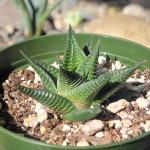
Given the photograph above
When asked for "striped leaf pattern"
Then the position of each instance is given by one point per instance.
(68, 80)
(49, 99)
(45, 77)
(73, 53)
(83, 95)
(121, 75)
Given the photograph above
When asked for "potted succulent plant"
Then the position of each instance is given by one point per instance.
(74, 90)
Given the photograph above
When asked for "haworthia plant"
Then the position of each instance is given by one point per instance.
(75, 90)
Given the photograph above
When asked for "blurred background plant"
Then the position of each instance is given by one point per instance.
(34, 14)
(129, 19)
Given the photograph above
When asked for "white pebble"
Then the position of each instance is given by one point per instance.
(118, 106)
(31, 121)
(118, 64)
(134, 10)
(148, 94)
(83, 142)
(7, 81)
(115, 123)
(99, 134)
(66, 128)
(42, 129)
(41, 115)
(145, 127)
(92, 127)
(55, 64)
(38, 107)
(126, 123)
(123, 114)
(102, 60)
(125, 136)
(64, 143)
(142, 103)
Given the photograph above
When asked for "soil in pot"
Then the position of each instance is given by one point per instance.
(125, 115)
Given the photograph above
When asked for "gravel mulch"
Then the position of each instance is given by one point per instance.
(124, 116)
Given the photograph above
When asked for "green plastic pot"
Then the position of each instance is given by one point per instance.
(49, 47)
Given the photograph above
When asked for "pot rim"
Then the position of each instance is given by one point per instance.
(113, 145)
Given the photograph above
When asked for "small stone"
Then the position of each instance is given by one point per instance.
(126, 123)
(123, 131)
(42, 129)
(148, 112)
(83, 142)
(125, 136)
(37, 78)
(107, 139)
(146, 126)
(66, 128)
(31, 121)
(142, 103)
(7, 82)
(55, 64)
(28, 82)
(130, 132)
(118, 106)
(38, 107)
(65, 143)
(41, 115)
(99, 134)
(9, 28)
(102, 60)
(92, 127)
(118, 64)
(148, 95)
(130, 79)
(115, 123)
(123, 114)
(134, 10)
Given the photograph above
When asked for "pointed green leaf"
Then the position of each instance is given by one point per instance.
(45, 77)
(68, 80)
(88, 67)
(108, 91)
(82, 96)
(51, 100)
(83, 115)
(117, 77)
(73, 53)
(93, 65)
(122, 75)
(48, 68)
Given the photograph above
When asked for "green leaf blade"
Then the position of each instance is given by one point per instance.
(68, 80)
(45, 77)
(83, 115)
(83, 95)
(49, 99)
(73, 54)
(122, 75)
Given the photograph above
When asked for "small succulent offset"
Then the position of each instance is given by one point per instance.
(75, 90)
